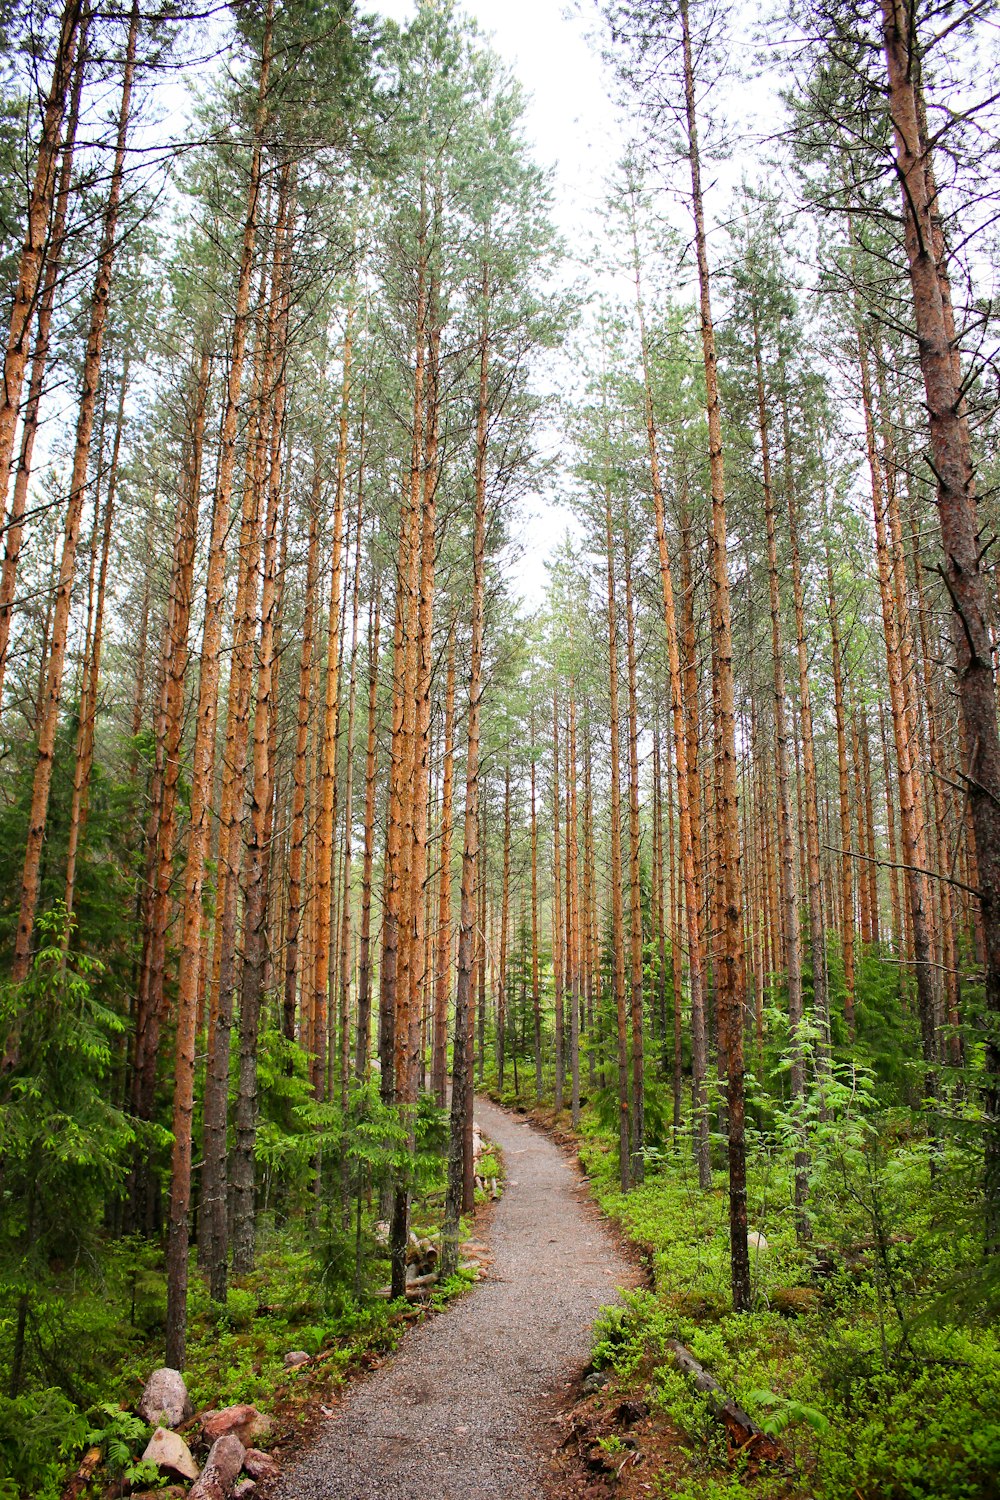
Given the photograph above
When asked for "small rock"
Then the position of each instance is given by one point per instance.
(235, 1420)
(225, 1460)
(296, 1357)
(260, 1465)
(793, 1301)
(169, 1451)
(595, 1382)
(244, 1489)
(165, 1400)
(172, 1492)
(756, 1241)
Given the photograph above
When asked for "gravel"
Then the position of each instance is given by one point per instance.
(462, 1410)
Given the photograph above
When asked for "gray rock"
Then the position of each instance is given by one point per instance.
(756, 1241)
(221, 1471)
(168, 1451)
(243, 1489)
(296, 1357)
(596, 1381)
(165, 1399)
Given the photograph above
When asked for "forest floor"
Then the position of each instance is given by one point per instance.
(468, 1407)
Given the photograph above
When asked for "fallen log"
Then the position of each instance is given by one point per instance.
(741, 1428)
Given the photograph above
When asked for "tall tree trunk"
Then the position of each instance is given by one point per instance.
(74, 17)
(635, 885)
(789, 891)
(501, 1036)
(685, 752)
(910, 796)
(442, 981)
(14, 525)
(84, 759)
(844, 795)
(573, 889)
(201, 774)
(956, 496)
(536, 1000)
(161, 829)
(557, 914)
(300, 764)
(38, 816)
(363, 1045)
(323, 883)
(817, 933)
(255, 886)
(461, 1078)
(617, 914)
(348, 852)
(735, 978)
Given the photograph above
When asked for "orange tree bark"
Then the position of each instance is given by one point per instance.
(461, 1078)
(735, 977)
(300, 764)
(956, 502)
(363, 1041)
(634, 879)
(791, 940)
(74, 16)
(38, 815)
(617, 914)
(84, 760)
(442, 979)
(14, 525)
(684, 756)
(201, 773)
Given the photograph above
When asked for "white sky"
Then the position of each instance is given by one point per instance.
(574, 129)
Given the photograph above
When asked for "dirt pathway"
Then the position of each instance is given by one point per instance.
(461, 1412)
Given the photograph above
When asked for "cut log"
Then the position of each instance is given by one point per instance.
(743, 1431)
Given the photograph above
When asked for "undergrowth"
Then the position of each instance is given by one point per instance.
(866, 1354)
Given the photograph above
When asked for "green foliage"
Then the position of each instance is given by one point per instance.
(38, 1433)
(120, 1436)
(861, 1355)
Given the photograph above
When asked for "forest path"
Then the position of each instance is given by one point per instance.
(461, 1411)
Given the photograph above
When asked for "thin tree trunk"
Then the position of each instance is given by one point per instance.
(300, 765)
(789, 891)
(201, 775)
(84, 760)
(461, 1079)
(617, 914)
(685, 753)
(844, 797)
(363, 1042)
(735, 978)
(75, 14)
(817, 934)
(635, 886)
(328, 737)
(442, 980)
(255, 892)
(14, 525)
(536, 1000)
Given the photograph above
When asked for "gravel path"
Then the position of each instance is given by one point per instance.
(461, 1411)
